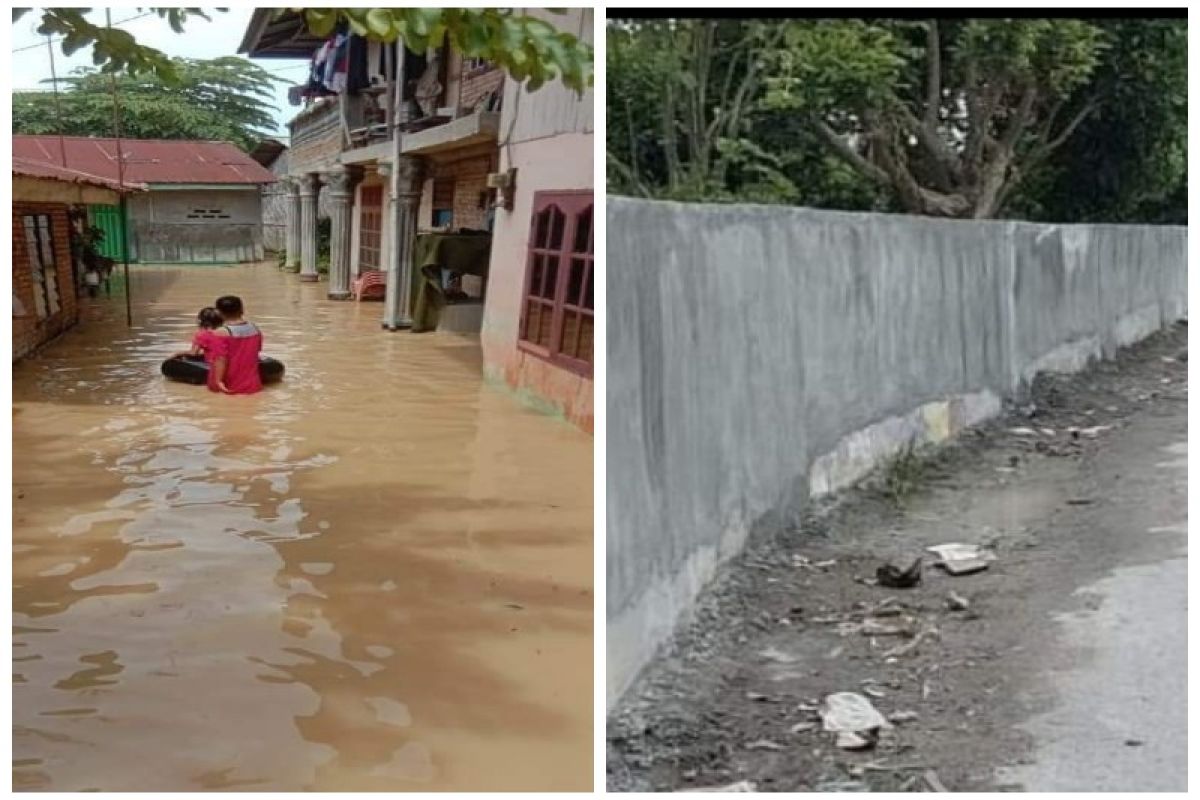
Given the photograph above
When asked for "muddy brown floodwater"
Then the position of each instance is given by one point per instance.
(376, 575)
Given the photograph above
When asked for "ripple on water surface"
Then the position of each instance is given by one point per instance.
(375, 575)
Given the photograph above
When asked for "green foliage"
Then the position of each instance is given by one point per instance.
(1127, 161)
(826, 66)
(223, 99)
(1057, 119)
(113, 49)
(528, 48)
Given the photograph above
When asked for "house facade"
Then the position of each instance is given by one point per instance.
(472, 215)
(203, 202)
(44, 273)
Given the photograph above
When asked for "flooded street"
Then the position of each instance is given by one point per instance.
(376, 575)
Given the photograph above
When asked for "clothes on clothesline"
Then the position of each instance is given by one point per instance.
(344, 63)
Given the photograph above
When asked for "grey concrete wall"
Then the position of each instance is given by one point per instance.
(197, 225)
(758, 355)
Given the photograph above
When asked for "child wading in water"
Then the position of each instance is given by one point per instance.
(236, 346)
(202, 343)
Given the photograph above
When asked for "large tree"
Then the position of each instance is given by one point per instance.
(528, 48)
(949, 115)
(681, 95)
(1127, 161)
(225, 99)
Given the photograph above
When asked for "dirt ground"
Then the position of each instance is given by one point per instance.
(734, 698)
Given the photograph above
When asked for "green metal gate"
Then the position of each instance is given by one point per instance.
(108, 219)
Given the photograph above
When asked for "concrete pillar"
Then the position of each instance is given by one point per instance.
(310, 184)
(291, 261)
(341, 184)
(356, 232)
(407, 199)
(384, 168)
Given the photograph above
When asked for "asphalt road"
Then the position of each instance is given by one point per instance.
(1118, 721)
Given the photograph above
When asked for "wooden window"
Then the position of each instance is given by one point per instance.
(370, 229)
(39, 244)
(557, 317)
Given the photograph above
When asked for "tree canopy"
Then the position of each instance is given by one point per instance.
(225, 99)
(529, 49)
(962, 118)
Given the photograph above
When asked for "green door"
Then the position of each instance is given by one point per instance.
(108, 219)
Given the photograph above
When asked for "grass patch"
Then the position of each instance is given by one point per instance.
(902, 475)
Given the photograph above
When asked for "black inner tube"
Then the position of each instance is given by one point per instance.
(194, 370)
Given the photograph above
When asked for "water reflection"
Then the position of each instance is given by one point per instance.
(375, 575)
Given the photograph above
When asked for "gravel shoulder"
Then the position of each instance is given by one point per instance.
(1062, 489)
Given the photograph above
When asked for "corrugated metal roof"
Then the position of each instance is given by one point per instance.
(147, 160)
(38, 169)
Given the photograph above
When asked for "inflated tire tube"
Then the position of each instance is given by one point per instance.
(194, 370)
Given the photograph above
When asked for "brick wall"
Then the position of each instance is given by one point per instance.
(28, 331)
(476, 85)
(470, 180)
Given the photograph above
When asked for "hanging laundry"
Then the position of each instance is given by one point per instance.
(358, 72)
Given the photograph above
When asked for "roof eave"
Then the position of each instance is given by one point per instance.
(254, 30)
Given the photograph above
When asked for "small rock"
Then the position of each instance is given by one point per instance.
(1134, 743)
(903, 716)
(956, 602)
(1022, 431)
(803, 727)
(895, 577)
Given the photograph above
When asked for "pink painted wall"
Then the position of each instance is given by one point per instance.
(557, 162)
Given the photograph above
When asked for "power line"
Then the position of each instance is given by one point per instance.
(59, 39)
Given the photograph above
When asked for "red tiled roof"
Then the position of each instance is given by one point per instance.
(146, 160)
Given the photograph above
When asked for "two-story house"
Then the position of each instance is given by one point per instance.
(461, 197)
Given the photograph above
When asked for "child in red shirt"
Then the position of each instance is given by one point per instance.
(236, 346)
(202, 343)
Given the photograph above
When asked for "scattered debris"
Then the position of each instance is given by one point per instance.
(934, 782)
(803, 727)
(849, 740)
(855, 721)
(873, 627)
(1022, 431)
(778, 656)
(908, 647)
(740, 786)
(956, 602)
(962, 559)
(764, 744)
(1090, 433)
(758, 697)
(894, 577)
(899, 717)
(1047, 431)
(803, 562)
(871, 691)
